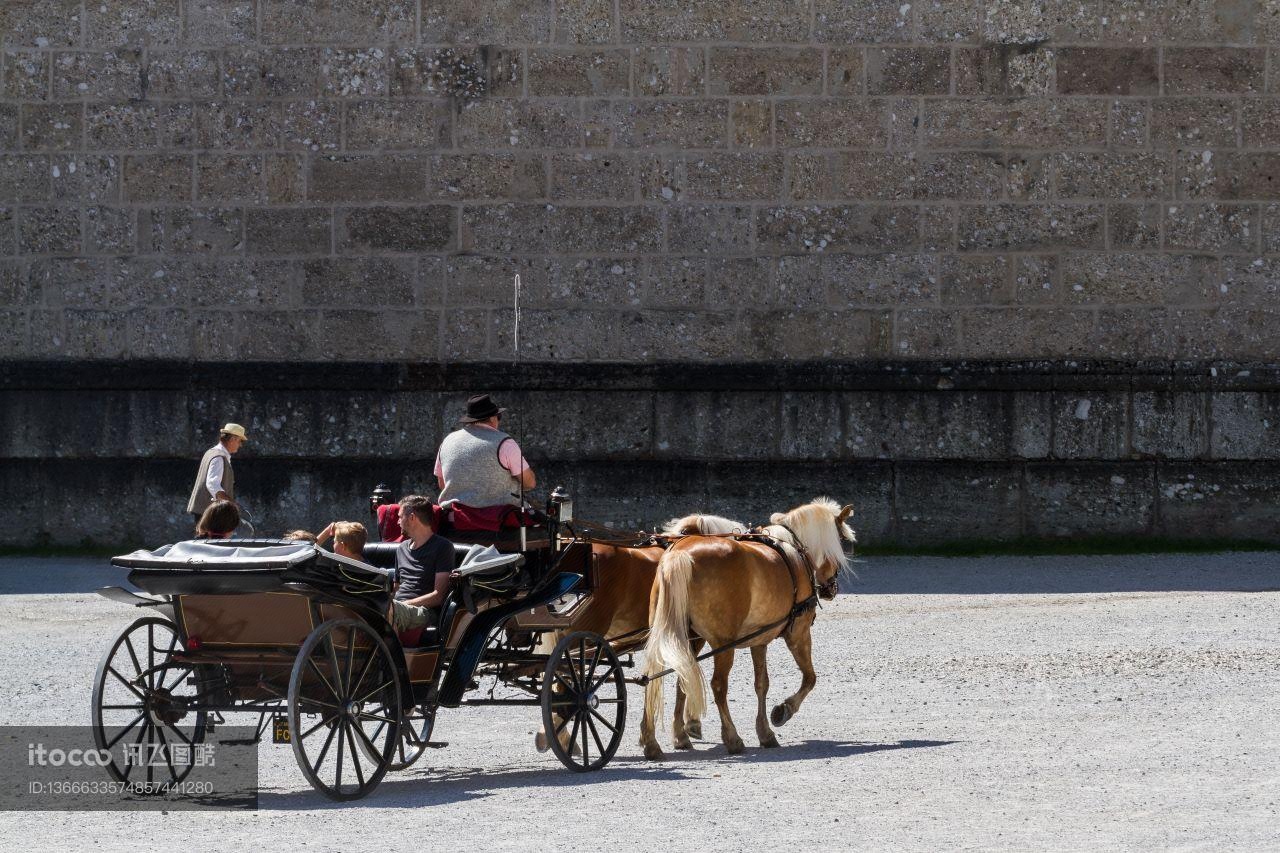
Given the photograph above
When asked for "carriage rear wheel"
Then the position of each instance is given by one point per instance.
(415, 731)
(584, 701)
(344, 702)
(145, 706)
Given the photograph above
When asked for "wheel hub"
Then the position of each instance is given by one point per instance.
(163, 708)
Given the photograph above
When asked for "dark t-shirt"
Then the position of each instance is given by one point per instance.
(417, 567)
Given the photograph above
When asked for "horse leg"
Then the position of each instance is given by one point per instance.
(767, 738)
(800, 642)
(679, 730)
(693, 727)
(720, 689)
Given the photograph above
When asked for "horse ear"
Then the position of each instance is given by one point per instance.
(776, 518)
(845, 512)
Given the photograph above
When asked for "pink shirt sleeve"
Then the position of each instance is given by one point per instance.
(439, 470)
(511, 458)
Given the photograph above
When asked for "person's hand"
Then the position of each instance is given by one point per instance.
(324, 535)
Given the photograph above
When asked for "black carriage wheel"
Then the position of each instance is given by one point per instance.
(584, 694)
(415, 730)
(344, 703)
(146, 706)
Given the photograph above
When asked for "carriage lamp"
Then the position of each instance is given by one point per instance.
(560, 505)
(381, 495)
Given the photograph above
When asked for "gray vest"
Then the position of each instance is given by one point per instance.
(473, 475)
(200, 498)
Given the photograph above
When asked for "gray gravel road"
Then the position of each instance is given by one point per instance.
(1026, 703)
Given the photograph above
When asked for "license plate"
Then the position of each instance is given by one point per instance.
(280, 729)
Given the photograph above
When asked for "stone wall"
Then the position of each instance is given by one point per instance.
(693, 180)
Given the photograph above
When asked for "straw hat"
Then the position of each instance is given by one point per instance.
(234, 429)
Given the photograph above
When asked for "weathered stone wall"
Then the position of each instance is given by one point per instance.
(357, 179)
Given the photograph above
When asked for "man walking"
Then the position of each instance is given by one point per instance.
(215, 481)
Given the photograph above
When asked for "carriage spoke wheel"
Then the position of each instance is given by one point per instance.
(584, 701)
(145, 707)
(415, 730)
(344, 703)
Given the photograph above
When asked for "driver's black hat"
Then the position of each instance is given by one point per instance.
(480, 407)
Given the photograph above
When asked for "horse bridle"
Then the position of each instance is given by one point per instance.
(827, 590)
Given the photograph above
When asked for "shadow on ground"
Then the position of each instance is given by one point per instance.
(414, 788)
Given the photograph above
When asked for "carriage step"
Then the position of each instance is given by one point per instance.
(436, 744)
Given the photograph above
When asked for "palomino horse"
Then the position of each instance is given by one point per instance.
(619, 608)
(728, 589)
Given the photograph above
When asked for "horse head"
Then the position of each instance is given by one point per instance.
(822, 529)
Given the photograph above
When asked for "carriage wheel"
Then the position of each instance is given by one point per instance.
(584, 696)
(415, 731)
(344, 701)
(146, 706)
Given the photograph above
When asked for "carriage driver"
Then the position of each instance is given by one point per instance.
(479, 468)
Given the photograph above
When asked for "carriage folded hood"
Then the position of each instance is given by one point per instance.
(197, 553)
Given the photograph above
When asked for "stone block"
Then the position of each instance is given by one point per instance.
(354, 73)
(1130, 123)
(159, 334)
(285, 178)
(25, 76)
(947, 425)
(1134, 175)
(1028, 177)
(1245, 425)
(276, 336)
(1031, 227)
(134, 126)
(1091, 426)
(709, 229)
(935, 503)
(176, 74)
(480, 281)
(1026, 332)
(972, 175)
(260, 284)
(466, 73)
(715, 176)
(573, 72)
(1126, 278)
(1213, 70)
(883, 279)
(238, 125)
(976, 280)
(1054, 123)
(311, 125)
(593, 176)
(49, 231)
(585, 22)
(16, 288)
(711, 425)
(871, 175)
(158, 177)
(949, 20)
(337, 21)
(8, 239)
(426, 228)
(752, 123)
(752, 281)
(215, 336)
(814, 334)
(840, 228)
(1260, 122)
(846, 71)
(271, 72)
(45, 127)
(1014, 70)
(218, 23)
(109, 230)
(365, 283)
(1171, 424)
(765, 71)
(115, 75)
(1228, 175)
(466, 335)
(661, 21)
(571, 283)
(500, 123)
(669, 282)
(673, 71)
(44, 23)
(925, 333)
(812, 426)
(808, 178)
(95, 334)
(24, 178)
(909, 71)
(78, 178)
(1224, 499)
(390, 125)
(606, 229)
(1188, 122)
(155, 23)
(1212, 227)
(9, 115)
(657, 123)
(1027, 21)
(487, 176)
(938, 228)
(226, 178)
(1133, 226)
(368, 178)
(499, 22)
(1090, 499)
(395, 335)
(506, 228)
(833, 123)
(288, 231)
(192, 230)
(1107, 71)
(1036, 280)
(839, 21)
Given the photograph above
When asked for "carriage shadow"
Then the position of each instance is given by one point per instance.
(464, 784)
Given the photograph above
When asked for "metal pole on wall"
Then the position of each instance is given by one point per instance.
(515, 355)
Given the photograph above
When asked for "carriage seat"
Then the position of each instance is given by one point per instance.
(383, 554)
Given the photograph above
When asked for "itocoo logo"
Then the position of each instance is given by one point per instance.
(39, 756)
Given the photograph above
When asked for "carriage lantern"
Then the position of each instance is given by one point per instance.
(560, 505)
(380, 497)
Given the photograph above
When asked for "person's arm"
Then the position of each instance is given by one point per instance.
(435, 598)
(511, 457)
(213, 479)
(439, 472)
(323, 536)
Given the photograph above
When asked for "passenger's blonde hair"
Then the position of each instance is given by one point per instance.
(350, 535)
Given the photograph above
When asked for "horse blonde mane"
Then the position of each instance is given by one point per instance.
(814, 524)
(699, 523)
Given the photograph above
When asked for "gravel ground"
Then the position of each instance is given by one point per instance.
(1030, 703)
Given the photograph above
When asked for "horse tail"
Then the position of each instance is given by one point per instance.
(668, 644)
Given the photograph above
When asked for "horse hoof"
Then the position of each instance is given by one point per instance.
(653, 752)
(684, 743)
(734, 745)
(780, 715)
(769, 742)
(694, 728)
(540, 742)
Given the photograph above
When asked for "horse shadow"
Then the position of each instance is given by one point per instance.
(414, 789)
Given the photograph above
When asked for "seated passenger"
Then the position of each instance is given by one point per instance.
(218, 521)
(424, 562)
(348, 538)
(299, 536)
(480, 470)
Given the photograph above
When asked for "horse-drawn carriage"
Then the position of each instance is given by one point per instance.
(300, 636)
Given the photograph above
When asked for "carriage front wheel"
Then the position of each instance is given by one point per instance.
(584, 701)
(344, 702)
